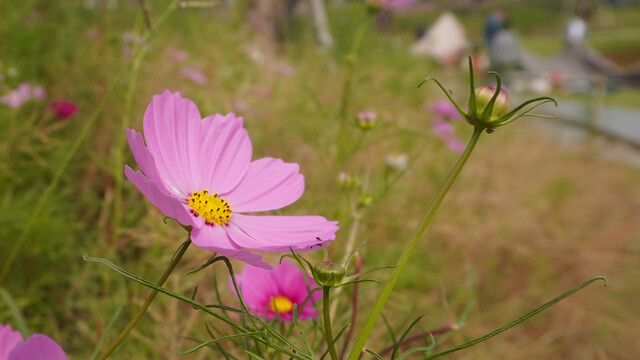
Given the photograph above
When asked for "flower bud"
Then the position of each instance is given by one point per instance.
(374, 6)
(398, 162)
(348, 182)
(366, 120)
(484, 94)
(328, 274)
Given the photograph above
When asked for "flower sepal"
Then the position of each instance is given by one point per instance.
(489, 105)
(329, 274)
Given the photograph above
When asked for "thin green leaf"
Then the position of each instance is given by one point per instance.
(507, 116)
(518, 320)
(335, 339)
(404, 334)
(420, 348)
(375, 354)
(297, 325)
(15, 312)
(447, 93)
(356, 282)
(203, 266)
(163, 290)
(254, 356)
(207, 343)
(390, 331)
(106, 330)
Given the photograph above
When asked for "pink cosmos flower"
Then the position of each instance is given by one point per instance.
(272, 293)
(63, 109)
(199, 172)
(37, 346)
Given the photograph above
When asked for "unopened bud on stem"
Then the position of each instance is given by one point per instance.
(484, 94)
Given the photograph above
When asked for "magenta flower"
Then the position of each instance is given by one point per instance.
(272, 293)
(37, 346)
(63, 109)
(199, 172)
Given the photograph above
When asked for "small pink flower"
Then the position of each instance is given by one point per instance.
(366, 120)
(442, 128)
(455, 144)
(199, 172)
(445, 109)
(194, 75)
(38, 92)
(37, 346)
(16, 97)
(282, 69)
(272, 293)
(177, 55)
(445, 131)
(63, 109)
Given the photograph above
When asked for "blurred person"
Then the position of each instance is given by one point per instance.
(504, 51)
(493, 24)
(576, 29)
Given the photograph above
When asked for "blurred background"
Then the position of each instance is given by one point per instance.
(542, 205)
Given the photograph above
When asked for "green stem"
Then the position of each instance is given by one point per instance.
(351, 59)
(411, 245)
(134, 321)
(327, 322)
(118, 163)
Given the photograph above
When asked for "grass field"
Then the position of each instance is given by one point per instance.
(529, 218)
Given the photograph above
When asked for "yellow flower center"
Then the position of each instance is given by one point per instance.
(280, 304)
(212, 208)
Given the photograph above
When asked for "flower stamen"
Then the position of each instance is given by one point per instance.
(212, 208)
(280, 304)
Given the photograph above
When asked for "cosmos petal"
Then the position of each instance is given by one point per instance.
(169, 205)
(215, 239)
(269, 184)
(260, 286)
(37, 347)
(144, 159)
(256, 286)
(172, 130)
(9, 338)
(279, 233)
(226, 153)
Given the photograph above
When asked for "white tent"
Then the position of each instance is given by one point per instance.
(444, 41)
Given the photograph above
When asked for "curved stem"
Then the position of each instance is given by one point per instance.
(327, 322)
(411, 245)
(134, 321)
